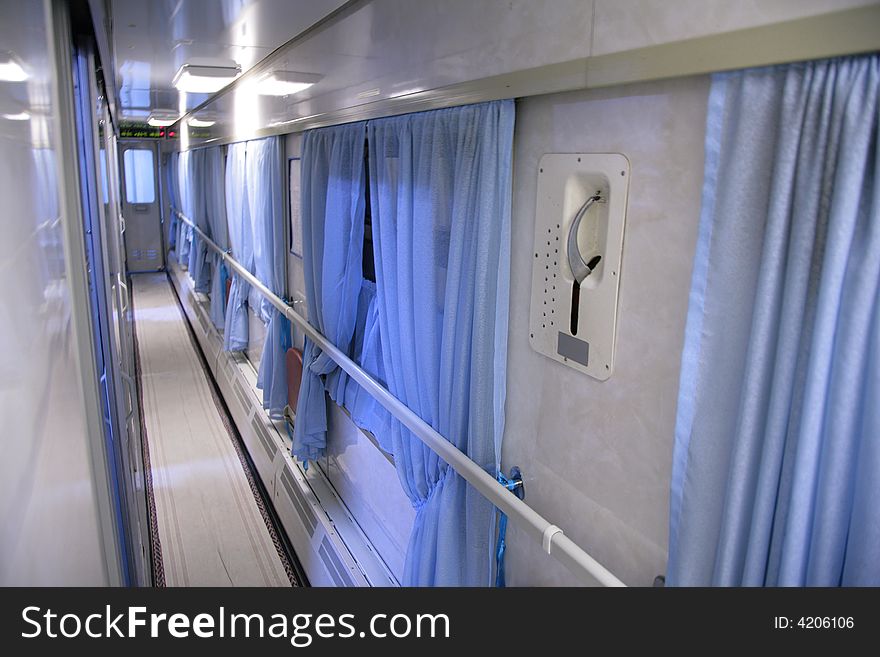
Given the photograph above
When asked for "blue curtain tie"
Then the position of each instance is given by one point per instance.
(514, 484)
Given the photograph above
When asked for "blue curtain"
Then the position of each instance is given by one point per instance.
(215, 209)
(184, 186)
(776, 470)
(332, 205)
(199, 267)
(366, 350)
(235, 337)
(174, 198)
(440, 200)
(265, 205)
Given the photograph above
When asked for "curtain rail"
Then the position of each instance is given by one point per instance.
(554, 542)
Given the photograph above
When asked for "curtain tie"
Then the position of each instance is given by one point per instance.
(513, 483)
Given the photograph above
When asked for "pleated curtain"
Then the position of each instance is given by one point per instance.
(264, 195)
(199, 267)
(173, 185)
(215, 208)
(184, 184)
(235, 335)
(332, 211)
(776, 470)
(440, 185)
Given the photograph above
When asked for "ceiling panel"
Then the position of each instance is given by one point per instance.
(152, 39)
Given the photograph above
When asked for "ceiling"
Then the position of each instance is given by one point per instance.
(153, 38)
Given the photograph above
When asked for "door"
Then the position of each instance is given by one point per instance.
(109, 303)
(122, 351)
(141, 207)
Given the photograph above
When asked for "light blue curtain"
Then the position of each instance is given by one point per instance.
(235, 337)
(265, 205)
(776, 471)
(440, 200)
(199, 267)
(174, 197)
(365, 411)
(215, 208)
(184, 186)
(332, 206)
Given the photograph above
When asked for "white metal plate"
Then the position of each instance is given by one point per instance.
(565, 182)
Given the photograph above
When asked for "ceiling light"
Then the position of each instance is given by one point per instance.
(200, 79)
(21, 116)
(11, 69)
(162, 119)
(200, 123)
(160, 123)
(285, 83)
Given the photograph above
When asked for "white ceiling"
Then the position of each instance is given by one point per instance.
(152, 38)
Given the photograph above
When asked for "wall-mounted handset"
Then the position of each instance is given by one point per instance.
(580, 268)
(579, 222)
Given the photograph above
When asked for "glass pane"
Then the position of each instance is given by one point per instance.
(139, 184)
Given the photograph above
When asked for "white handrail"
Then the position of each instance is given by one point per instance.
(555, 543)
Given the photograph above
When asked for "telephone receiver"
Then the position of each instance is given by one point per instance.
(580, 268)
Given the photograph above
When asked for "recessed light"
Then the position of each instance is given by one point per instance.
(162, 119)
(20, 116)
(11, 69)
(199, 79)
(285, 83)
(200, 123)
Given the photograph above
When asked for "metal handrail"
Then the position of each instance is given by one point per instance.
(553, 540)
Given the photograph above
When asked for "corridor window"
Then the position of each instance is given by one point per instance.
(140, 184)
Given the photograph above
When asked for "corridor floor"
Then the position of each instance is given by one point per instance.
(208, 523)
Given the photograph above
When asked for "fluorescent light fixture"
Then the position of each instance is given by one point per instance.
(199, 79)
(21, 116)
(195, 122)
(11, 69)
(162, 119)
(285, 83)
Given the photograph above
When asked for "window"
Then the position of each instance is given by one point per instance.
(140, 185)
